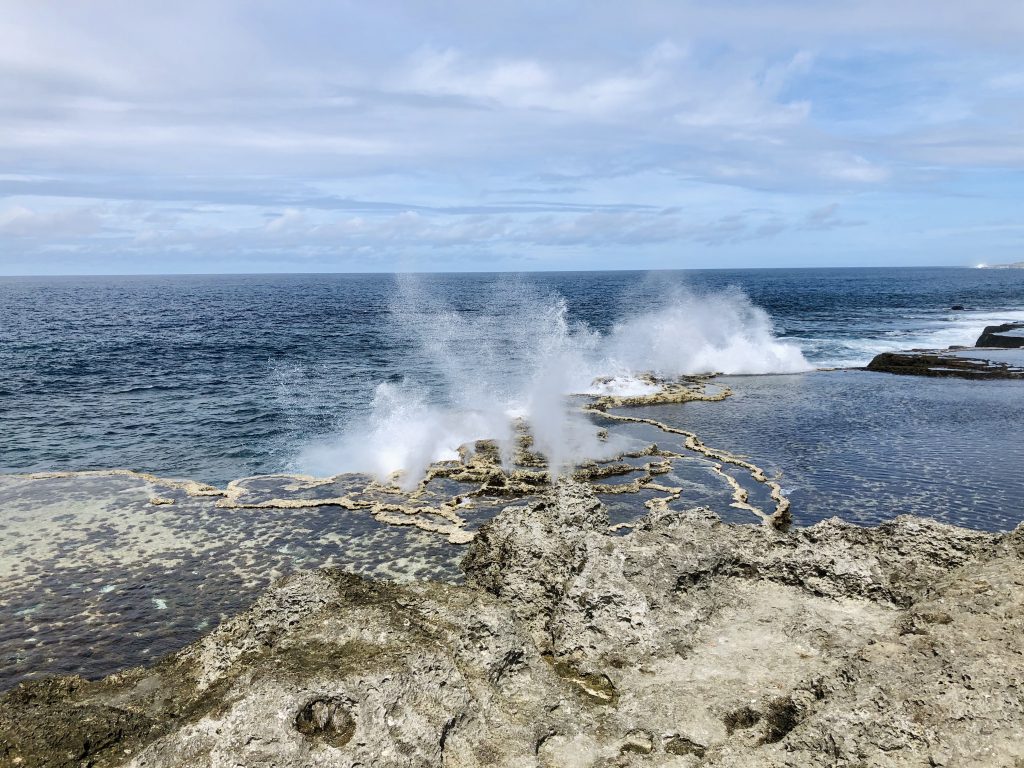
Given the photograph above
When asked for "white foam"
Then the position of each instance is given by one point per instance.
(403, 434)
(687, 333)
(959, 328)
(620, 386)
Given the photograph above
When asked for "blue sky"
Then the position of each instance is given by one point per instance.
(257, 136)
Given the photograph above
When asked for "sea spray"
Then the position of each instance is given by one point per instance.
(685, 333)
(562, 365)
(403, 433)
(478, 371)
(513, 352)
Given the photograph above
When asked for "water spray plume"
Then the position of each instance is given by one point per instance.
(522, 356)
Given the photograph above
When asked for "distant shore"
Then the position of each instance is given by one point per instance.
(1014, 265)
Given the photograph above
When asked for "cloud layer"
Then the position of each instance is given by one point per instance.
(251, 136)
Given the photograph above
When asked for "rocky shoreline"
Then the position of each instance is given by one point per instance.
(998, 354)
(685, 642)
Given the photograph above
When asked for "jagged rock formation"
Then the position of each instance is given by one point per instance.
(687, 642)
(1006, 336)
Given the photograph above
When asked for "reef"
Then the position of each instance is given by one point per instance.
(481, 473)
(963, 363)
(687, 641)
(988, 359)
(685, 389)
(109, 568)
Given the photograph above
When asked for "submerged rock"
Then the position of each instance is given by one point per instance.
(686, 642)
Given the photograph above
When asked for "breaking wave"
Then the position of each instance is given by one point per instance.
(519, 356)
(904, 331)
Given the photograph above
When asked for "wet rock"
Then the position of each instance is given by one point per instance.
(1007, 336)
(686, 641)
(947, 364)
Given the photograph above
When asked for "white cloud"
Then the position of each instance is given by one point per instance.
(291, 219)
(1007, 81)
(419, 107)
(20, 221)
(849, 167)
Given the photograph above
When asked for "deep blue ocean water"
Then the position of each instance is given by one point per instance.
(218, 377)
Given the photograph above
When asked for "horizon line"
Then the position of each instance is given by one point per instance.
(491, 271)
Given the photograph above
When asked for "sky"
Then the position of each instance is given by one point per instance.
(139, 136)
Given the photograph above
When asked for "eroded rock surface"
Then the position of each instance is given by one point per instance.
(687, 642)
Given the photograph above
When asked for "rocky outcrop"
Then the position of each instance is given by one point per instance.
(946, 364)
(687, 642)
(1006, 336)
(985, 361)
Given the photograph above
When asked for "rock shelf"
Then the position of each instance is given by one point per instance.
(685, 642)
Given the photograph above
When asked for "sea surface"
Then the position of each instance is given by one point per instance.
(373, 377)
(220, 377)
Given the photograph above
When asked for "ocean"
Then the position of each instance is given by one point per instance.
(372, 378)
(220, 377)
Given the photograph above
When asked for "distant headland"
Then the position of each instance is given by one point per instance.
(1015, 265)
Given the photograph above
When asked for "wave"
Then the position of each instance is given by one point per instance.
(474, 373)
(687, 333)
(930, 331)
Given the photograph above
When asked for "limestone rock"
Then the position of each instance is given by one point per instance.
(687, 642)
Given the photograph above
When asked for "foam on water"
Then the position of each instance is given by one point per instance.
(687, 332)
(909, 331)
(522, 357)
